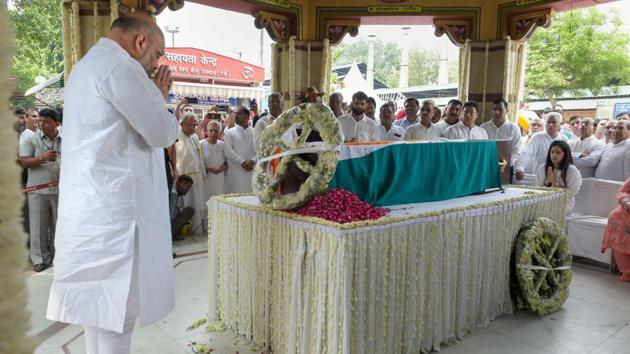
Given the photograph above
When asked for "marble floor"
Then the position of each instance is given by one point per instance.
(595, 319)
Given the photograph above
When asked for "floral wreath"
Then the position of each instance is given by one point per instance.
(542, 265)
(310, 115)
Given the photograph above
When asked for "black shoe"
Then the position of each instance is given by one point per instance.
(39, 267)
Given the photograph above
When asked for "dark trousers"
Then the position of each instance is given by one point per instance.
(179, 221)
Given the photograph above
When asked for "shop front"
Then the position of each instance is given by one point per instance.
(208, 80)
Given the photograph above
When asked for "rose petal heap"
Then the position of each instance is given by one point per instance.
(340, 206)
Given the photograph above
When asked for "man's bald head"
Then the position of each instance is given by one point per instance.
(140, 36)
(136, 22)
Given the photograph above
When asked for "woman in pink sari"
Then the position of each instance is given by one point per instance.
(617, 235)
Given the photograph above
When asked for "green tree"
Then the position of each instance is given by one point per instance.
(424, 67)
(581, 50)
(386, 59)
(36, 26)
(423, 64)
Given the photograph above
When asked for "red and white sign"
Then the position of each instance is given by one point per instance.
(201, 65)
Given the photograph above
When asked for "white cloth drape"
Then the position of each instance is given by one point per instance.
(429, 275)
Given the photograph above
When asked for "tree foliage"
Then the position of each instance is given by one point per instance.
(423, 64)
(36, 26)
(581, 50)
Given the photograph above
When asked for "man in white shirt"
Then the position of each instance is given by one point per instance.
(584, 146)
(335, 102)
(426, 130)
(190, 162)
(355, 125)
(538, 147)
(466, 129)
(499, 128)
(587, 142)
(386, 130)
(39, 152)
(276, 106)
(614, 164)
(453, 116)
(411, 110)
(113, 260)
(240, 154)
(32, 122)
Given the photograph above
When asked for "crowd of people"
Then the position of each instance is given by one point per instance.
(101, 209)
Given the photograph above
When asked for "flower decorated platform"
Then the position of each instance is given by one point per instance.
(423, 275)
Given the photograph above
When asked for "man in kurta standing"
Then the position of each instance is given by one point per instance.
(114, 260)
(240, 153)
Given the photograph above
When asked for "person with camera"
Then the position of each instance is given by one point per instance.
(39, 152)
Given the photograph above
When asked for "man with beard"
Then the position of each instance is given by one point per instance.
(411, 111)
(425, 130)
(113, 261)
(453, 113)
(335, 102)
(355, 125)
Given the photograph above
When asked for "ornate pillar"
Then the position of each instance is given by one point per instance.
(297, 64)
(84, 22)
(496, 68)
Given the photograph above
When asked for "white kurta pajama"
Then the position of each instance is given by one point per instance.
(363, 129)
(214, 156)
(112, 190)
(239, 147)
(190, 162)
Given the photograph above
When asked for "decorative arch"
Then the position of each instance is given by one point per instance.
(458, 31)
(336, 30)
(522, 26)
(276, 25)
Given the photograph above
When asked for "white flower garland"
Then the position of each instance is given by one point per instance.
(310, 115)
(292, 70)
(543, 266)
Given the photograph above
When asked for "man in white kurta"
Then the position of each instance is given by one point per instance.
(538, 146)
(500, 128)
(276, 106)
(113, 245)
(190, 162)
(584, 146)
(425, 129)
(240, 154)
(614, 163)
(466, 129)
(355, 125)
(453, 116)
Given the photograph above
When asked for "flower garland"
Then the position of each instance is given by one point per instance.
(113, 11)
(485, 77)
(311, 116)
(15, 319)
(275, 73)
(542, 264)
(97, 32)
(66, 26)
(550, 194)
(292, 70)
(76, 33)
(325, 68)
(308, 64)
